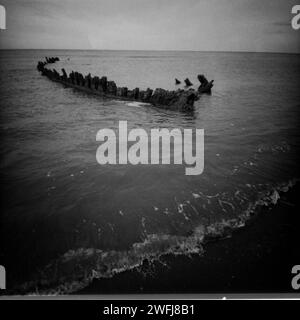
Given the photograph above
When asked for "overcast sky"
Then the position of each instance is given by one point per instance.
(214, 25)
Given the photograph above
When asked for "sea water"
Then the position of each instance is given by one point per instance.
(66, 219)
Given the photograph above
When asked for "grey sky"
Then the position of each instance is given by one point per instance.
(221, 25)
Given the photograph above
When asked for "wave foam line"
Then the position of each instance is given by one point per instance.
(77, 268)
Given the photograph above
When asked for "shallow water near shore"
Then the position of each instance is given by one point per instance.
(65, 218)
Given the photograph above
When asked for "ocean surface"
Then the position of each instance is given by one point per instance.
(65, 219)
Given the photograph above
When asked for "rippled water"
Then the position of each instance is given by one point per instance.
(61, 208)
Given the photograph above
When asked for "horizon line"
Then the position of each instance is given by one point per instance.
(158, 50)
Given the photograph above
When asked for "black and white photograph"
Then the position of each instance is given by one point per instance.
(149, 147)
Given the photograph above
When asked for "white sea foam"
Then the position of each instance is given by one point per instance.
(137, 104)
(77, 268)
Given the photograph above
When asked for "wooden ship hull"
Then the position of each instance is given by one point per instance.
(179, 100)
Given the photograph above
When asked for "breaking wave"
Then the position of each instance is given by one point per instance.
(76, 269)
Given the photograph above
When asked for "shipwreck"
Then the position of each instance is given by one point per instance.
(179, 100)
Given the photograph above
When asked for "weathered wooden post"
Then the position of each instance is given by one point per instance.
(188, 82)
